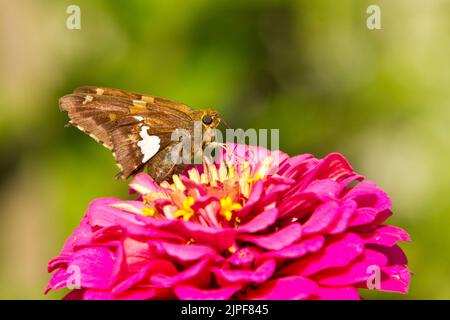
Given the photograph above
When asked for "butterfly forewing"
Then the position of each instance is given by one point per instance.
(134, 96)
(133, 128)
(136, 127)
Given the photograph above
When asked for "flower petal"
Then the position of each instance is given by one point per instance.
(183, 252)
(260, 222)
(155, 266)
(397, 279)
(186, 292)
(287, 288)
(368, 195)
(356, 272)
(261, 274)
(277, 240)
(193, 272)
(144, 184)
(298, 250)
(322, 218)
(337, 293)
(386, 236)
(347, 209)
(339, 252)
(95, 265)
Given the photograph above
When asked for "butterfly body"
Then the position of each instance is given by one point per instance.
(137, 128)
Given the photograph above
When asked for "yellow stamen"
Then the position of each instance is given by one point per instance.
(253, 179)
(227, 206)
(190, 241)
(186, 212)
(148, 211)
(232, 249)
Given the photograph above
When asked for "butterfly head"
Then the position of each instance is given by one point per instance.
(209, 118)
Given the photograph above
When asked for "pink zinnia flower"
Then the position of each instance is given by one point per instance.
(258, 226)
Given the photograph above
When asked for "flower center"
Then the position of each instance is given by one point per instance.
(229, 183)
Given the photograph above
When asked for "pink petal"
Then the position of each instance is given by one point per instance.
(253, 199)
(183, 252)
(244, 258)
(347, 210)
(260, 222)
(218, 238)
(367, 194)
(296, 166)
(358, 271)
(59, 280)
(193, 272)
(298, 205)
(394, 253)
(397, 280)
(106, 216)
(144, 184)
(186, 292)
(155, 266)
(261, 274)
(96, 267)
(339, 252)
(97, 295)
(134, 254)
(325, 190)
(208, 207)
(277, 184)
(312, 244)
(322, 218)
(288, 288)
(363, 216)
(140, 293)
(74, 295)
(386, 236)
(277, 240)
(334, 166)
(337, 293)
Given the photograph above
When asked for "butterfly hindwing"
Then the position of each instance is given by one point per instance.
(135, 142)
(165, 164)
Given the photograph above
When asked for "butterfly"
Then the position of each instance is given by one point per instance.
(137, 128)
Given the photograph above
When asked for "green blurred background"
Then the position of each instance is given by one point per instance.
(310, 68)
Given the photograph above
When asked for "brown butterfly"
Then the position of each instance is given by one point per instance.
(137, 128)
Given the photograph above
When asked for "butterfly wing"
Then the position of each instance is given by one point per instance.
(135, 127)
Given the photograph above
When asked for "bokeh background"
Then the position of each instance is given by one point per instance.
(310, 68)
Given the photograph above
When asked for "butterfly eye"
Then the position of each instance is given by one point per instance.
(207, 119)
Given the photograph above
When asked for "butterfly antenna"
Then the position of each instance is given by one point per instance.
(225, 124)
